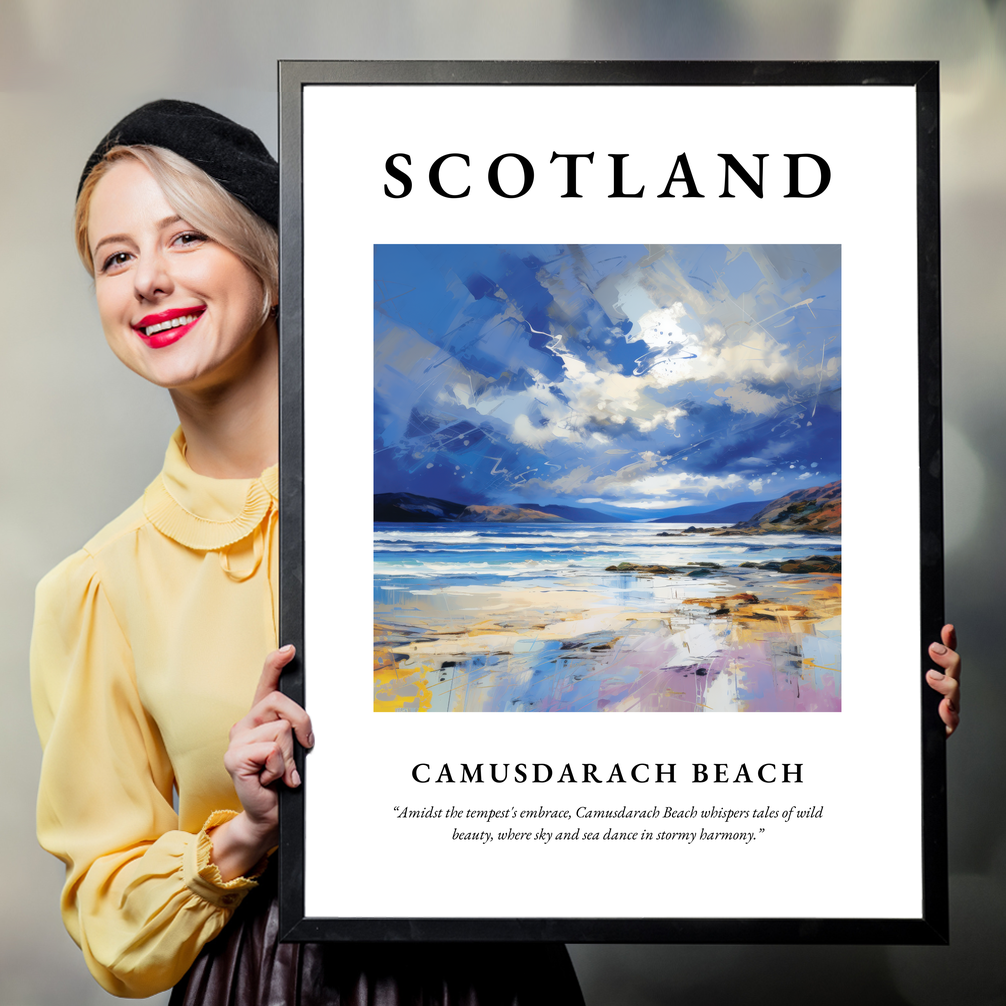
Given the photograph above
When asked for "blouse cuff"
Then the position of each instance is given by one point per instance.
(202, 876)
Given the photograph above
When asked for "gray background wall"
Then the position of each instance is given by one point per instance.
(82, 436)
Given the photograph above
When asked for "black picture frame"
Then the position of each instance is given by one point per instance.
(931, 926)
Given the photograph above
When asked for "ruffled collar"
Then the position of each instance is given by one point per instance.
(203, 513)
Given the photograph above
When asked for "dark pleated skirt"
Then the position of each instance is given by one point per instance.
(246, 965)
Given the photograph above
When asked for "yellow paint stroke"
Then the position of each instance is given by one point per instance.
(394, 691)
(410, 693)
(752, 620)
(809, 662)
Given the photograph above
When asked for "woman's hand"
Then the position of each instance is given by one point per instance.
(947, 682)
(260, 753)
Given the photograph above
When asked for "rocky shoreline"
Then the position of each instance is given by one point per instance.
(746, 532)
(811, 564)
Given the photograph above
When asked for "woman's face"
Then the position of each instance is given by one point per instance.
(177, 308)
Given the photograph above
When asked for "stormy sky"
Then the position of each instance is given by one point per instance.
(633, 379)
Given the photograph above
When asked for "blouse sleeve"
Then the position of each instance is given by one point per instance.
(141, 898)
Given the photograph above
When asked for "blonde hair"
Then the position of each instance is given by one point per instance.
(199, 200)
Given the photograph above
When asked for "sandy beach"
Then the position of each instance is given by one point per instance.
(730, 638)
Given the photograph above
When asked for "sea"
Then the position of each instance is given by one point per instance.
(411, 556)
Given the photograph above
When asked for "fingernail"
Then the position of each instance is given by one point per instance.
(936, 675)
(310, 740)
(287, 649)
(938, 648)
(295, 777)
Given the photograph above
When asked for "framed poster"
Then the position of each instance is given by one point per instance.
(565, 458)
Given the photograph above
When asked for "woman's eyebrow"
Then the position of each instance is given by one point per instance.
(109, 240)
(160, 225)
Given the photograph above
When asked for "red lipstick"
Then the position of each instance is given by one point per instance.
(165, 333)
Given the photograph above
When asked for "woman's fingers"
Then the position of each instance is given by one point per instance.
(263, 740)
(271, 671)
(947, 658)
(950, 717)
(949, 636)
(270, 703)
(947, 680)
(261, 749)
(945, 655)
(274, 767)
(277, 706)
(261, 761)
(949, 688)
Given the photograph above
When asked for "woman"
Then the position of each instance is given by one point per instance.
(149, 642)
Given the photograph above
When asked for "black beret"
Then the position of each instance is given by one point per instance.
(231, 154)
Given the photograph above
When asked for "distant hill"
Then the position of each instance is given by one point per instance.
(724, 515)
(581, 515)
(508, 515)
(407, 508)
(817, 509)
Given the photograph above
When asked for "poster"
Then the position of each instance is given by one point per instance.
(587, 299)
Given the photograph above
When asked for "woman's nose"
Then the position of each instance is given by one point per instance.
(152, 277)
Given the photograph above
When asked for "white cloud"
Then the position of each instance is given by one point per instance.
(740, 356)
(660, 329)
(640, 484)
(666, 485)
(524, 432)
(648, 504)
(741, 399)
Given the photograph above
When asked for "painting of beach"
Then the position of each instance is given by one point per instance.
(607, 478)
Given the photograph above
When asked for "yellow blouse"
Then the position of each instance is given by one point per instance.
(147, 647)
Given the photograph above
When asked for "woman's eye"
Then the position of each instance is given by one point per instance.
(114, 261)
(190, 238)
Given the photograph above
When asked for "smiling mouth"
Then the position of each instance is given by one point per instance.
(167, 321)
(185, 319)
